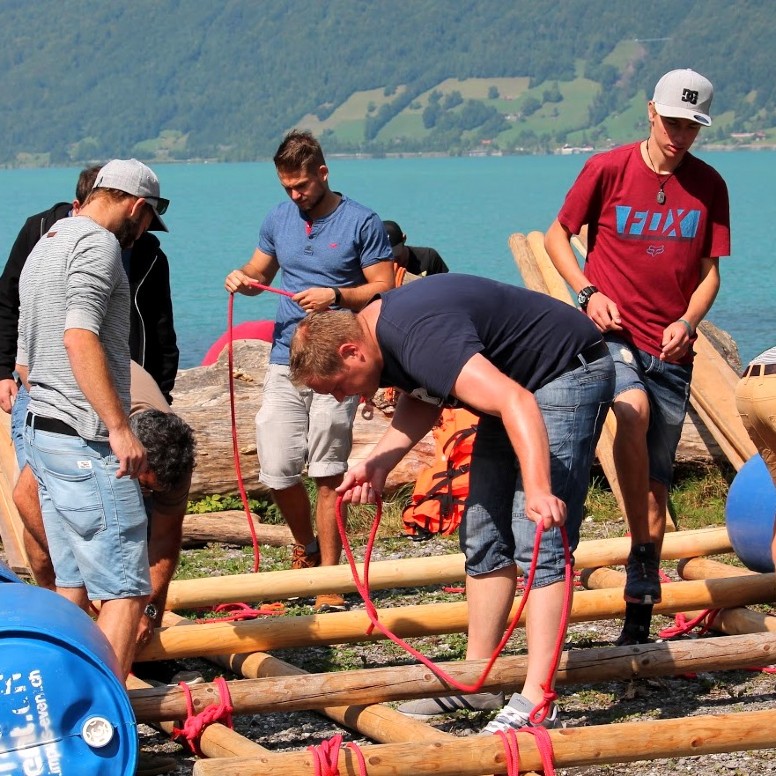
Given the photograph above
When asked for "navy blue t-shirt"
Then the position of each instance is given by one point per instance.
(428, 330)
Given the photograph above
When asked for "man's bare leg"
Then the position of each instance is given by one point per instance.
(631, 460)
(294, 505)
(119, 620)
(25, 496)
(489, 598)
(645, 509)
(326, 520)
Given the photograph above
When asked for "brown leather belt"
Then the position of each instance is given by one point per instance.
(759, 370)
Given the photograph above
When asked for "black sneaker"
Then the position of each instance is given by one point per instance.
(642, 584)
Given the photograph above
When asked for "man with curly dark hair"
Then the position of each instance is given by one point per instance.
(170, 454)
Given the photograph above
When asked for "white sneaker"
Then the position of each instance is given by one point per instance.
(511, 718)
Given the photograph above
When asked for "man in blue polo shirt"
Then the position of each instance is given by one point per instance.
(330, 251)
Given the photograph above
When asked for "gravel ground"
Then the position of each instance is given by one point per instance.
(671, 697)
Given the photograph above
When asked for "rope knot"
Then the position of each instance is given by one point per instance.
(194, 724)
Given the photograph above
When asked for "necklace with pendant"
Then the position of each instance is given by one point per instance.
(661, 195)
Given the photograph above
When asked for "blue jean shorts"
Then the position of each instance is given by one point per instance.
(495, 531)
(668, 389)
(296, 427)
(18, 414)
(95, 523)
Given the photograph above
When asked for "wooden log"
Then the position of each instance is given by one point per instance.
(476, 755)
(712, 391)
(201, 398)
(277, 691)
(231, 527)
(706, 568)
(217, 740)
(11, 526)
(351, 627)
(409, 572)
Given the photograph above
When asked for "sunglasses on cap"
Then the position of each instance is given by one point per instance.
(159, 204)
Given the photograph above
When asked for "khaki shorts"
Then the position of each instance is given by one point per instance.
(756, 404)
(296, 427)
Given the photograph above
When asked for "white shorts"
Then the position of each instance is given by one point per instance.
(297, 427)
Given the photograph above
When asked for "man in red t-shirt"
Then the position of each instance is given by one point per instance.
(658, 221)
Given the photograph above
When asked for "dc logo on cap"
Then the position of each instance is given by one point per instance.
(690, 95)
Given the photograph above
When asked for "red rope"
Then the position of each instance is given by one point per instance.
(240, 611)
(539, 713)
(326, 756)
(194, 724)
(683, 626)
(512, 750)
(544, 745)
(705, 620)
(235, 446)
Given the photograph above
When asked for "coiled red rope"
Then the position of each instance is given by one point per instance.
(240, 611)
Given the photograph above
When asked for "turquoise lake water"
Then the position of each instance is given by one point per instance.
(464, 207)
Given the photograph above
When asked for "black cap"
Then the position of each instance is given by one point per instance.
(394, 232)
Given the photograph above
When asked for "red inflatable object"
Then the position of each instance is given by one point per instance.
(261, 330)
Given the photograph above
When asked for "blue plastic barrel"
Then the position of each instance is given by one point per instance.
(749, 514)
(62, 708)
(6, 575)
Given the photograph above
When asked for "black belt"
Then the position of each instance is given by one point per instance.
(759, 370)
(587, 356)
(52, 425)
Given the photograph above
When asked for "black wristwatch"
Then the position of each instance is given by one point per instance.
(151, 611)
(337, 295)
(583, 297)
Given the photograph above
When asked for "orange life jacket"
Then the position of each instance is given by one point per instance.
(441, 489)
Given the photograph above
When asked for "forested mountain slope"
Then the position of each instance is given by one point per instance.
(188, 79)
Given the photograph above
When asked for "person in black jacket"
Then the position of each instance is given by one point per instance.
(417, 261)
(152, 338)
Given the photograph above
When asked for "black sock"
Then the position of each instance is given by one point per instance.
(638, 618)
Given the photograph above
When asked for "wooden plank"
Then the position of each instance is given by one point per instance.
(11, 527)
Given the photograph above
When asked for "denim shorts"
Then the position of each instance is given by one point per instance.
(95, 523)
(495, 531)
(18, 414)
(296, 427)
(668, 389)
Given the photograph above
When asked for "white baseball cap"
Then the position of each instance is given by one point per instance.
(684, 94)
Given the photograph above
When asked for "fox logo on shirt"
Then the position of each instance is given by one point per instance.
(664, 224)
